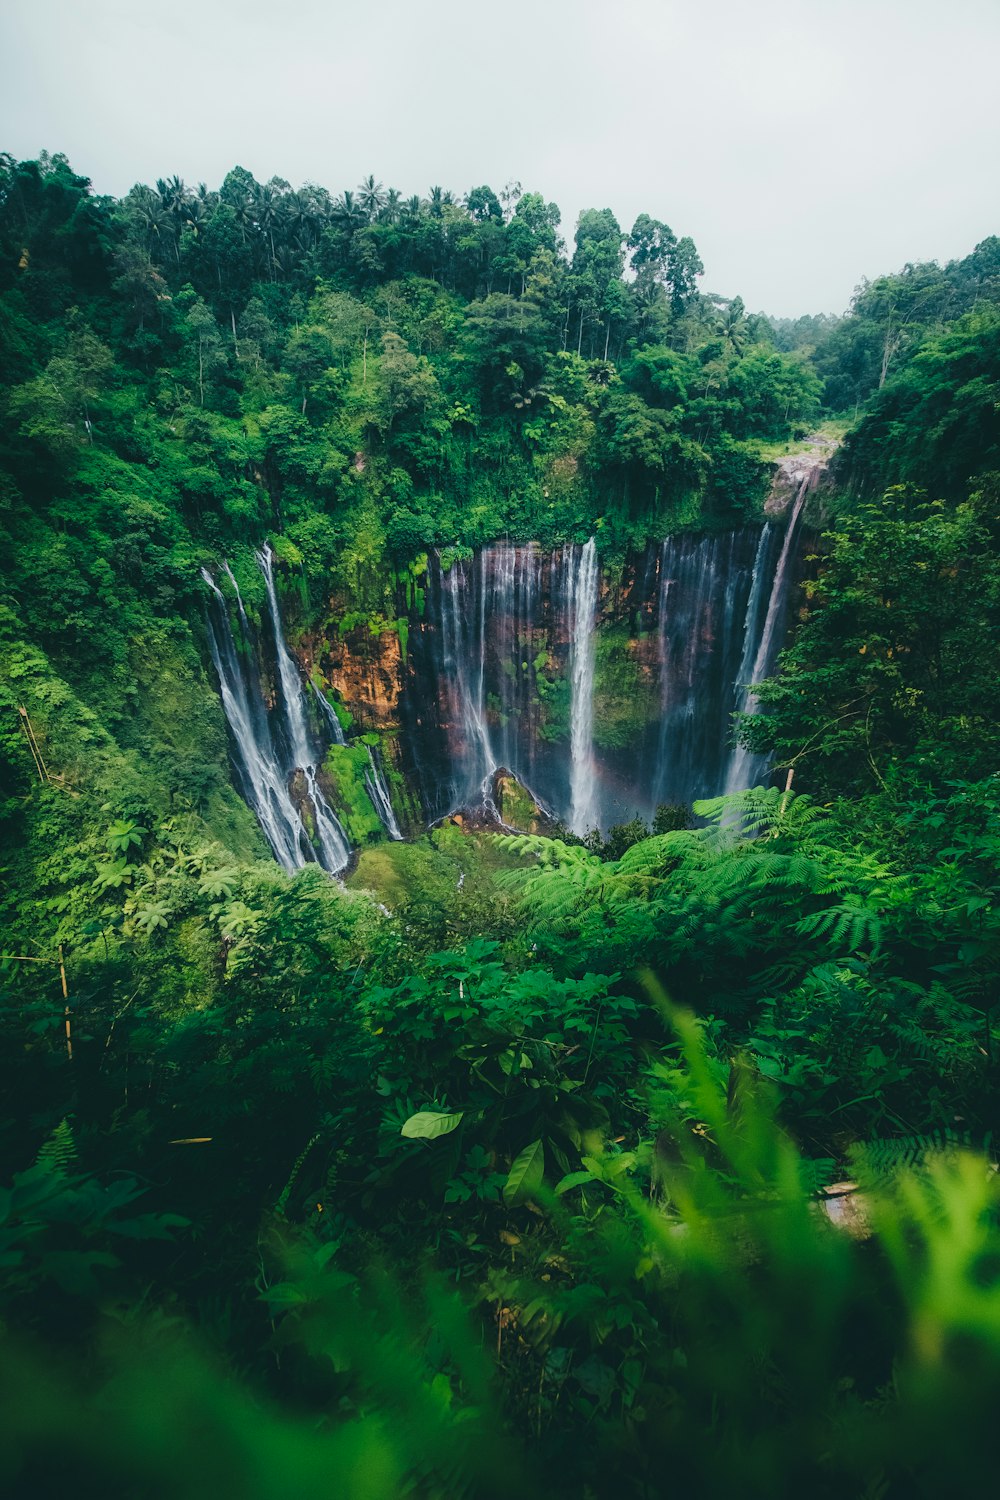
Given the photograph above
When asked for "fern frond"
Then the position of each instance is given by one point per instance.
(552, 853)
(285, 1193)
(58, 1152)
(874, 1162)
(679, 847)
(846, 927)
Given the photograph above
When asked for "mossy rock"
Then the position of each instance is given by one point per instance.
(344, 777)
(626, 701)
(517, 807)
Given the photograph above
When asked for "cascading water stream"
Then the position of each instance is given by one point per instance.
(378, 794)
(329, 713)
(501, 640)
(374, 781)
(263, 773)
(288, 673)
(744, 766)
(463, 630)
(334, 849)
(244, 622)
(582, 619)
(264, 784)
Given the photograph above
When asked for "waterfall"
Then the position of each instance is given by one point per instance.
(329, 713)
(378, 794)
(335, 851)
(510, 585)
(582, 624)
(244, 622)
(374, 781)
(750, 623)
(463, 632)
(744, 766)
(700, 603)
(265, 775)
(288, 673)
(503, 671)
(264, 784)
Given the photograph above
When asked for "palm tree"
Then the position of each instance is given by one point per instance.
(268, 209)
(154, 219)
(437, 199)
(371, 196)
(392, 207)
(300, 220)
(243, 208)
(733, 327)
(286, 257)
(174, 196)
(346, 212)
(198, 209)
(313, 210)
(173, 193)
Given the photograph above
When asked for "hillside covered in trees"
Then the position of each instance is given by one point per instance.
(532, 1149)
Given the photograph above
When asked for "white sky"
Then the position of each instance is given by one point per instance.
(802, 144)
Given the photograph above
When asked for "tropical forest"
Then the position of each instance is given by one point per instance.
(500, 827)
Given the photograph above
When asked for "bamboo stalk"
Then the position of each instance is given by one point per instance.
(25, 723)
(65, 990)
(56, 963)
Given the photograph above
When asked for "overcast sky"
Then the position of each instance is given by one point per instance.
(802, 144)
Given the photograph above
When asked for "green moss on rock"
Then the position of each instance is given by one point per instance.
(344, 773)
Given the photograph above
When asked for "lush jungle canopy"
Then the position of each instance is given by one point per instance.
(514, 1163)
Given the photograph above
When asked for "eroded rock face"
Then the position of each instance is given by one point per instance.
(363, 670)
(810, 463)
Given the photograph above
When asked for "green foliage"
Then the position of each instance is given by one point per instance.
(891, 680)
(426, 1125)
(936, 422)
(345, 767)
(255, 1105)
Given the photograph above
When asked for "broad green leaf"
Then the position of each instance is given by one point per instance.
(427, 1125)
(572, 1180)
(525, 1175)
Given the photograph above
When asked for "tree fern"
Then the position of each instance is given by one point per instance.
(846, 927)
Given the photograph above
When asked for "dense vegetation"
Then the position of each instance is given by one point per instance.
(500, 1168)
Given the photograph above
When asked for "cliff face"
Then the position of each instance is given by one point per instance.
(601, 693)
(361, 669)
(490, 665)
(811, 463)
